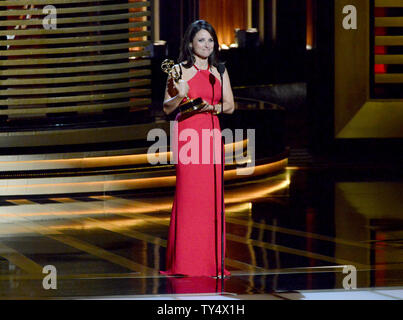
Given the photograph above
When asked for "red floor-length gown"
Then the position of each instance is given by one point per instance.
(194, 238)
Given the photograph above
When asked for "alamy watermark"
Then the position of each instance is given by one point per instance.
(49, 22)
(50, 280)
(350, 20)
(204, 149)
(350, 280)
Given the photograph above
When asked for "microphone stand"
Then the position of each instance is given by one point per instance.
(221, 69)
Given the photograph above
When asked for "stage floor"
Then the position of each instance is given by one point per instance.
(288, 237)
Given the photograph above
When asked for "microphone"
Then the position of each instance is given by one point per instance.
(221, 68)
(211, 79)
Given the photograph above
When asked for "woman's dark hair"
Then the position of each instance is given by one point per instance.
(186, 53)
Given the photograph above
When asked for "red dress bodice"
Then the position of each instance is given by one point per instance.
(206, 86)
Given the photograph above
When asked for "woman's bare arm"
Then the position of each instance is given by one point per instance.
(174, 94)
(228, 98)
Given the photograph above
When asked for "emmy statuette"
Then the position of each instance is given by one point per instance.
(189, 105)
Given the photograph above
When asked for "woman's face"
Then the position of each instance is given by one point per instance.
(203, 44)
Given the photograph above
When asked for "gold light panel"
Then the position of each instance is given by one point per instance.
(388, 40)
(90, 58)
(364, 59)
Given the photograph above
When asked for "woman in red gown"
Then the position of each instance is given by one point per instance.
(194, 239)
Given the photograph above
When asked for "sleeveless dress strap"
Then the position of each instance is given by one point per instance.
(208, 68)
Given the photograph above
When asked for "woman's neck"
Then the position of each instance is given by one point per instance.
(201, 63)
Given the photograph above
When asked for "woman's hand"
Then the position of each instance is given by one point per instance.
(182, 87)
(209, 107)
